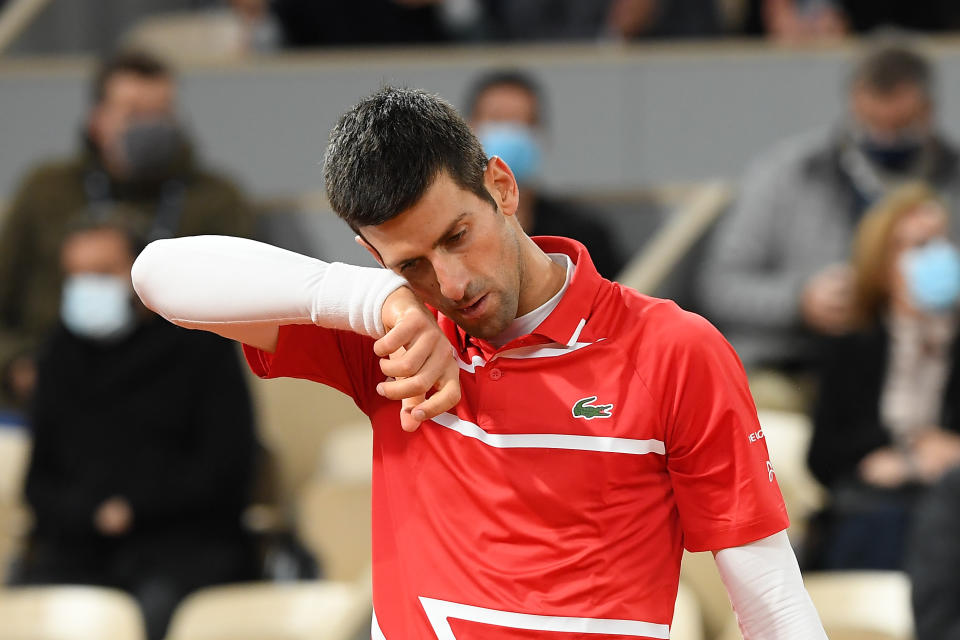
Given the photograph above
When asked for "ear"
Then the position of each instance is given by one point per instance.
(360, 240)
(499, 180)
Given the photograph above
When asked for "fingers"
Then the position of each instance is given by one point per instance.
(407, 361)
(410, 324)
(439, 373)
(420, 361)
(446, 397)
(428, 374)
(408, 420)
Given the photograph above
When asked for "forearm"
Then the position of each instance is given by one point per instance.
(245, 290)
(764, 584)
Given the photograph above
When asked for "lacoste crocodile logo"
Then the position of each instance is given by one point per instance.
(583, 409)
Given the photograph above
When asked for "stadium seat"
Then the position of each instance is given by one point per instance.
(788, 438)
(347, 453)
(69, 613)
(273, 611)
(333, 521)
(294, 417)
(858, 605)
(14, 457)
(14, 519)
(687, 616)
(863, 605)
(699, 574)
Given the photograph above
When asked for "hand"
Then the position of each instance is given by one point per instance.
(827, 300)
(936, 452)
(418, 357)
(22, 378)
(630, 18)
(886, 468)
(113, 517)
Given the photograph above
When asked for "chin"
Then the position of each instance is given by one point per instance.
(485, 329)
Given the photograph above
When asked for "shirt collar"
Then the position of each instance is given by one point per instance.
(563, 325)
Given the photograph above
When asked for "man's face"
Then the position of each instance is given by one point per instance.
(129, 98)
(505, 103)
(97, 251)
(459, 253)
(889, 116)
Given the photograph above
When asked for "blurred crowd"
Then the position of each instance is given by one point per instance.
(239, 27)
(835, 269)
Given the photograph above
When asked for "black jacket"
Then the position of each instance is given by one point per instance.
(553, 217)
(934, 562)
(847, 423)
(162, 418)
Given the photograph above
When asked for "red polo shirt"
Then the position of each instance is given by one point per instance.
(556, 498)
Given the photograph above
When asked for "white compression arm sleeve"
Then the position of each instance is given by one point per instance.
(767, 592)
(229, 285)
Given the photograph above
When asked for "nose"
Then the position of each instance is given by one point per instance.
(452, 278)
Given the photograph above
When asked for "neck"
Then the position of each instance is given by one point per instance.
(541, 277)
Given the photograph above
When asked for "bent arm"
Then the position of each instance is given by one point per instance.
(245, 290)
(765, 587)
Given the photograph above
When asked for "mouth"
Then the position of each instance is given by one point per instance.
(475, 309)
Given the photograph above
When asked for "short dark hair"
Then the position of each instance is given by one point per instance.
(118, 218)
(385, 153)
(510, 78)
(889, 66)
(134, 61)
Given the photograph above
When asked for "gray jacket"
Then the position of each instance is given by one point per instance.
(795, 214)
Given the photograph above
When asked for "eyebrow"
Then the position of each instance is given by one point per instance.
(443, 236)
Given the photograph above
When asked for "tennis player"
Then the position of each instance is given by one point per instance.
(546, 442)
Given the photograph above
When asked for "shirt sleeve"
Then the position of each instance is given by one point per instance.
(337, 358)
(724, 485)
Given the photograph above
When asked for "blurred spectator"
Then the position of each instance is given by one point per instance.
(134, 151)
(91, 26)
(888, 415)
(773, 276)
(311, 23)
(934, 562)
(506, 110)
(232, 31)
(795, 21)
(619, 19)
(800, 20)
(143, 442)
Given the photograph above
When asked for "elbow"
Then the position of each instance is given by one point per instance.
(146, 274)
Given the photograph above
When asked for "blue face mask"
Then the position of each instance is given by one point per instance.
(892, 156)
(896, 153)
(933, 275)
(515, 144)
(97, 306)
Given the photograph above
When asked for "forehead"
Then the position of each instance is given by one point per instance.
(126, 88)
(414, 232)
(506, 103)
(95, 248)
(896, 107)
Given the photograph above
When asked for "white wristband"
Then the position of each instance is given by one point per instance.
(351, 297)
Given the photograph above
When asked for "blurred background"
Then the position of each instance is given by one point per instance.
(786, 168)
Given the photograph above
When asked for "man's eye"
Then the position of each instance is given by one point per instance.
(457, 237)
